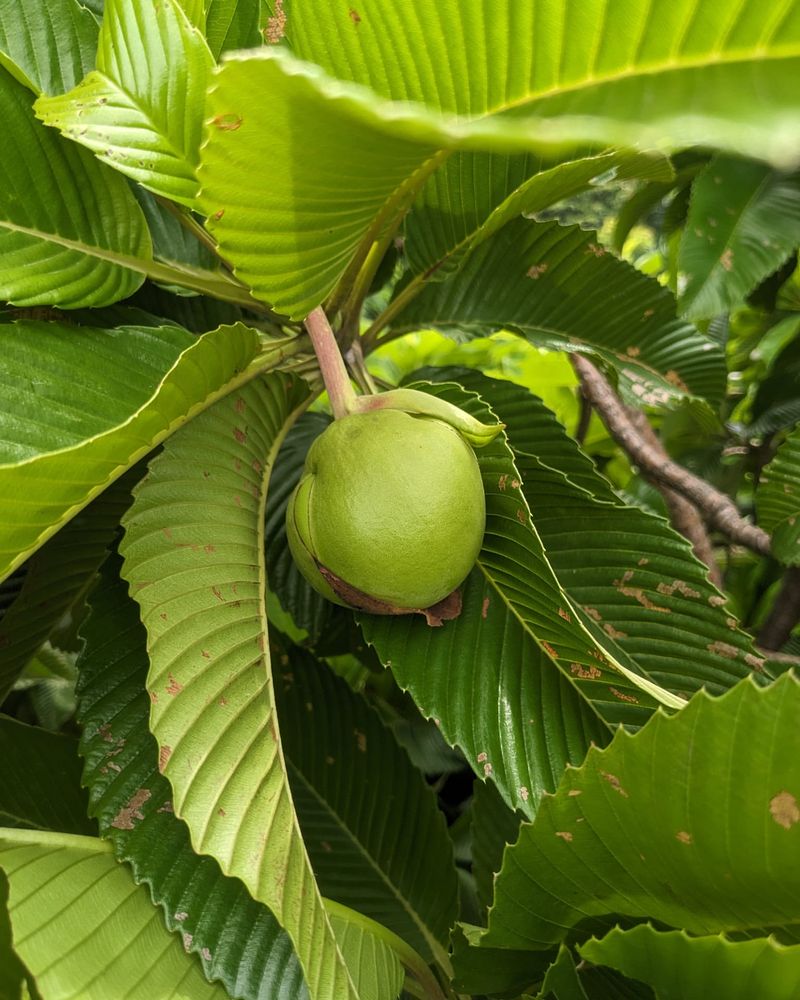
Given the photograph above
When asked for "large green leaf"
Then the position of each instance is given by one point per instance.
(372, 962)
(70, 228)
(48, 45)
(678, 966)
(531, 76)
(57, 576)
(139, 109)
(743, 223)
(40, 780)
(237, 940)
(560, 289)
(85, 929)
(365, 812)
(778, 500)
(630, 572)
(472, 195)
(693, 821)
(141, 383)
(194, 556)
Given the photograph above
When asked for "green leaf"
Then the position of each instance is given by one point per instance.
(778, 500)
(371, 961)
(237, 940)
(364, 810)
(70, 229)
(492, 970)
(636, 578)
(47, 46)
(742, 225)
(84, 928)
(472, 195)
(533, 278)
(678, 966)
(57, 576)
(139, 109)
(714, 850)
(232, 24)
(493, 826)
(512, 80)
(12, 971)
(142, 383)
(194, 543)
(40, 781)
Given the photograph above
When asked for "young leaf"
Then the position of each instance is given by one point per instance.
(237, 940)
(713, 849)
(364, 811)
(677, 965)
(143, 383)
(40, 780)
(194, 556)
(778, 500)
(533, 278)
(742, 225)
(62, 213)
(497, 80)
(47, 46)
(84, 928)
(140, 108)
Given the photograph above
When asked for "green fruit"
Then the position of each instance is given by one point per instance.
(389, 505)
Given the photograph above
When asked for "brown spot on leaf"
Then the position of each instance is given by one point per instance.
(613, 780)
(124, 820)
(354, 16)
(565, 835)
(164, 754)
(723, 649)
(633, 351)
(562, 613)
(589, 673)
(218, 594)
(484, 607)
(522, 516)
(187, 941)
(727, 259)
(637, 593)
(205, 654)
(536, 271)
(632, 699)
(276, 25)
(174, 687)
(181, 916)
(756, 662)
(229, 122)
(221, 812)
(105, 733)
(614, 633)
(549, 650)
(216, 217)
(240, 435)
(716, 600)
(153, 697)
(784, 809)
(668, 589)
(482, 756)
(523, 793)
(487, 769)
(593, 613)
(502, 481)
(574, 791)
(595, 250)
(683, 837)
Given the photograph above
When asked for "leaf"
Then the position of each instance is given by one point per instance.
(84, 928)
(778, 500)
(143, 382)
(47, 46)
(533, 278)
(237, 940)
(232, 24)
(40, 781)
(472, 195)
(194, 543)
(139, 109)
(12, 971)
(57, 577)
(742, 225)
(493, 826)
(372, 963)
(636, 578)
(677, 965)
(70, 229)
(715, 850)
(364, 810)
(497, 80)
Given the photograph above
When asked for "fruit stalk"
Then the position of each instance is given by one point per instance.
(331, 364)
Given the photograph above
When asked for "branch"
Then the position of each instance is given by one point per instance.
(684, 516)
(718, 509)
(785, 612)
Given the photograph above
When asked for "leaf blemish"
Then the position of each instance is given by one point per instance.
(668, 589)
(536, 271)
(624, 697)
(614, 781)
(784, 809)
(723, 649)
(484, 607)
(228, 122)
(565, 835)
(124, 820)
(683, 837)
(164, 754)
(276, 25)
(174, 687)
(590, 673)
(354, 16)
(637, 593)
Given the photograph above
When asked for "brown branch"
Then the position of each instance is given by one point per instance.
(683, 514)
(785, 612)
(718, 509)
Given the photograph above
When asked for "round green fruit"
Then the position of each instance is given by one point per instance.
(390, 507)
